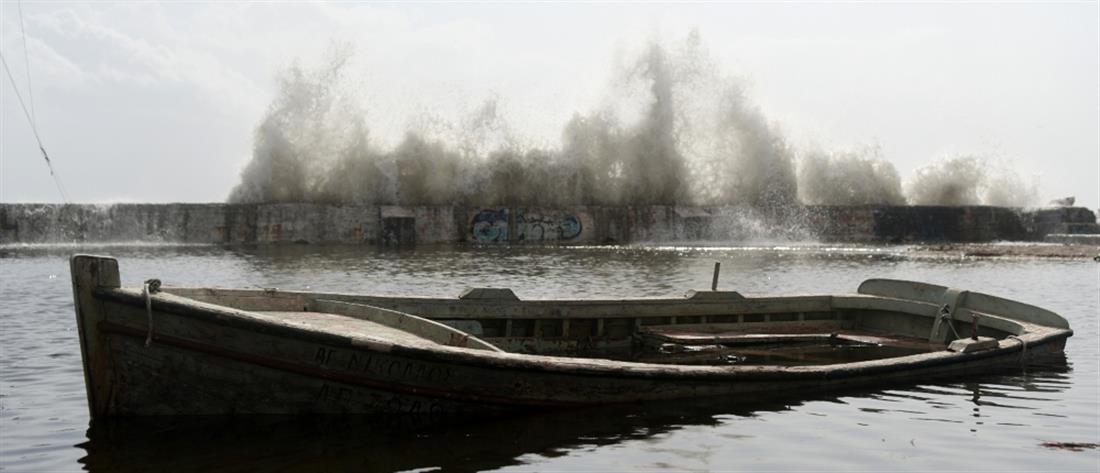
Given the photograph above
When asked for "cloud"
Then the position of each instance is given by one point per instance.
(86, 48)
(914, 78)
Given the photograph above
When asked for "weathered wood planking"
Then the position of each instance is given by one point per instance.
(402, 322)
(217, 351)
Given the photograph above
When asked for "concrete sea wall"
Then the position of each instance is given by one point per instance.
(234, 224)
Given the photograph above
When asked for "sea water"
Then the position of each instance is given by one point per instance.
(1023, 419)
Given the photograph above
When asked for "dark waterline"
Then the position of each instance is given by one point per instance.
(989, 423)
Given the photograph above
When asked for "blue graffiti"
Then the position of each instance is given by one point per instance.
(541, 227)
(570, 227)
(490, 226)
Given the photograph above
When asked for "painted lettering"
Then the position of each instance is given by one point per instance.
(323, 356)
(397, 369)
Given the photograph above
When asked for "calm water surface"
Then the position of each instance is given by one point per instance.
(990, 423)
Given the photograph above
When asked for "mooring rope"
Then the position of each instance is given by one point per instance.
(945, 316)
(150, 287)
(1023, 348)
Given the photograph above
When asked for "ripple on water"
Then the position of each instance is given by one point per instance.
(985, 423)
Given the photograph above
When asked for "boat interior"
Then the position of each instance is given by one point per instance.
(885, 319)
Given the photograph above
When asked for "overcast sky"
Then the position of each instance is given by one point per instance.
(158, 102)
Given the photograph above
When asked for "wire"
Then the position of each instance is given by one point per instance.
(32, 117)
(34, 129)
(27, 60)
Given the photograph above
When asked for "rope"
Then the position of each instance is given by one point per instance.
(1023, 349)
(974, 325)
(945, 316)
(150, 287)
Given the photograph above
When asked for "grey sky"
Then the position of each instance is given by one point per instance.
(158, 102)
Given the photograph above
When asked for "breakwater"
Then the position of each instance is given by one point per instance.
(244, 224)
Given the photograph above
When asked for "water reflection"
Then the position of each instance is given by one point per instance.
(932, 426)
(543, 272)
(402, 444)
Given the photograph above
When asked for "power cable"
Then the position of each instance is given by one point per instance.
(32, 117)
(27, 60)
(34, 129)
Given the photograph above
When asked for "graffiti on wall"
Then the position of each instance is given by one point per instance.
(536, 226)
(490, 225)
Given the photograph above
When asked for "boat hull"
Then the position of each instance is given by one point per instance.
(194, 367)
(166, 355)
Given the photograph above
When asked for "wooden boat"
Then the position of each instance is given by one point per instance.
(204, 351)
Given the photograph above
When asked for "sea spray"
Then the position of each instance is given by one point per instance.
(1006, 188)
(673, 130)
(696, 140)
(309, 133)
(970, 180)
(858, 177)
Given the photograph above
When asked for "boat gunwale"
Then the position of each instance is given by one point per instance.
(1037, 335)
